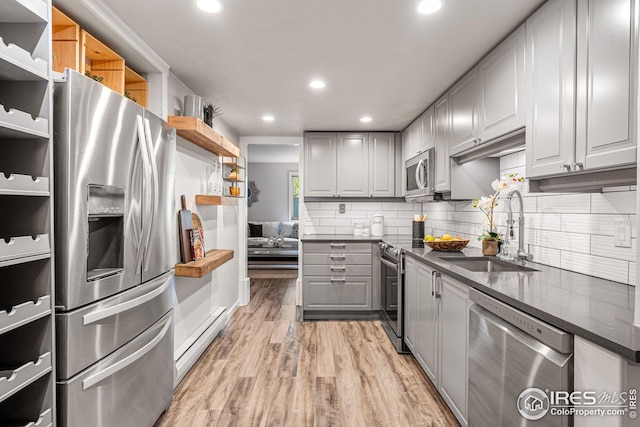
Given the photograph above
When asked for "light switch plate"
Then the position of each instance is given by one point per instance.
(341, 208)
(622, 234)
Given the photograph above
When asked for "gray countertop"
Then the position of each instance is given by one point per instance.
(598, 310)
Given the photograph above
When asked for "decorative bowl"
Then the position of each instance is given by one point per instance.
(448, 245)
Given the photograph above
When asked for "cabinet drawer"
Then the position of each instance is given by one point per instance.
(336, 259)
(131, 387)
(322, 293)
(101, 328)
(360, 247)
(337, 270)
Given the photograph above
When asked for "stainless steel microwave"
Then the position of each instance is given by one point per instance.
(420, 177)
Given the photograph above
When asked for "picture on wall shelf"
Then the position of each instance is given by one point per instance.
(252, 193)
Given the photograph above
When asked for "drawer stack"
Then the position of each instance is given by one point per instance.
(337, 276)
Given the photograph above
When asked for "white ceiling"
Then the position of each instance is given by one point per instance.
(378, 57)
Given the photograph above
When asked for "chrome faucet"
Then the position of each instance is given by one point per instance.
(521, 255)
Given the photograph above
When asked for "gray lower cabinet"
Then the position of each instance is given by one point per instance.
(437, 331)
(453, 345)
(581, 86)
(338, 277)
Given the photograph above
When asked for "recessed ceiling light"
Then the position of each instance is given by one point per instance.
(317, 84)
(268, 118)
(365, 119)
(210, 6)
(426, 7)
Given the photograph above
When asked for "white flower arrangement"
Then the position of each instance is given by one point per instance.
(487, 203)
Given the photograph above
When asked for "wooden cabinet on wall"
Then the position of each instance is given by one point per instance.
(349, 164)
(595, 52)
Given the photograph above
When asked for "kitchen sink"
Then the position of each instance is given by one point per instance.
(487, 265)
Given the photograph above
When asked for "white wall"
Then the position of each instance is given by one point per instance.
(197, 299)
(272, 179)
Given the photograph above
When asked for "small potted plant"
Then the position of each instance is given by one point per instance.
(234, 174)
(210, 112)
(491, 238)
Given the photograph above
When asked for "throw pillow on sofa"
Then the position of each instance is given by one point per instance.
(255, 230)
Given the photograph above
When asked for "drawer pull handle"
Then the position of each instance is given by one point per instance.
(338, 245)
(338, 268)
(98, 315)
(338, 257)
(338, 280)
(123, 363)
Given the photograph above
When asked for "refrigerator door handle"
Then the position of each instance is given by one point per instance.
(154, 190)
(146, 188)
(123, 363)
(96, 316)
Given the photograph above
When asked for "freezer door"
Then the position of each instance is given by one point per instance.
(129, 388)
(90, 333)
(98, 181)
(159, 215)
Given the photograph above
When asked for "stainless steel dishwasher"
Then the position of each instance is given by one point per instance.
(511, 352)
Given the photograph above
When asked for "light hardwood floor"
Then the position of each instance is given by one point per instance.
(266, 369)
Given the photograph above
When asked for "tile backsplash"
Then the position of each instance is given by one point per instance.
(570, 231)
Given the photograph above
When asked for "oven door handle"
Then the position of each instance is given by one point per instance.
(389, 264)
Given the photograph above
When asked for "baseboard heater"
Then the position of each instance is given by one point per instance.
(191, 350)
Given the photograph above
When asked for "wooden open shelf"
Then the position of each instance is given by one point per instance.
(212, 260)
(195, 130)
(65, 36)
(202, 199)
(233, 165)
(233, 179)
(136, 86)
(99, 60)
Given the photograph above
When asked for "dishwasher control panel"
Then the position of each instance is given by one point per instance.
(555, 338)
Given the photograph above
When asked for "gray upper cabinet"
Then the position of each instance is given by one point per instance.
(581, 89)
(319, 171)
(353, 165)
(428, 139)
(501, 76)
(382, 171)
(346, 164)
(442, 126)
(464, 113)
(550, 81)
(606, 80)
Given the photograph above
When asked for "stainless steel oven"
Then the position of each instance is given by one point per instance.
(392, 294)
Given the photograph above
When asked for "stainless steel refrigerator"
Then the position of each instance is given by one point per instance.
(115, 249)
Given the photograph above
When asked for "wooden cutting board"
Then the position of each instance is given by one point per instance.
(185, 224)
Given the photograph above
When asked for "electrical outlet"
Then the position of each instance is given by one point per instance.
(622, 234)
(341, 208)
